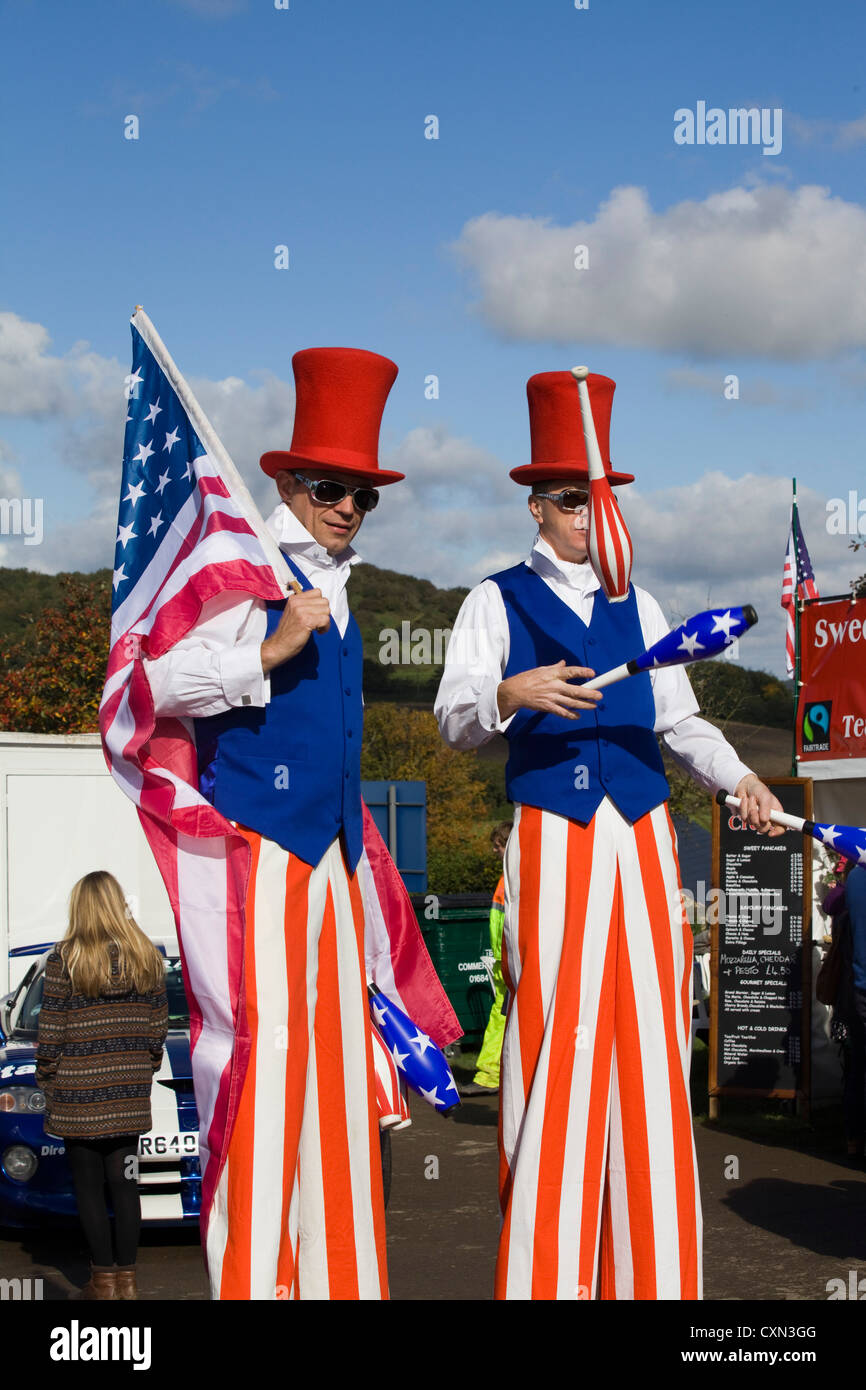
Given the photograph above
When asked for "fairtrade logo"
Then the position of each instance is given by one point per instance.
(816, 725)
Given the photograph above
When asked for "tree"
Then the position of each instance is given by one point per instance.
(51, 678)
(858, 586)
(405, 745)
(726, 690)
(720, 689)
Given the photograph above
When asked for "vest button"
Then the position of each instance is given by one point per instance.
(347, 776)
(348, 691)
(345, 651)
(590, 641)
(348, 733)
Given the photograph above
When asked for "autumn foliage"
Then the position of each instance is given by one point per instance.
(405, 745)
(52, 673)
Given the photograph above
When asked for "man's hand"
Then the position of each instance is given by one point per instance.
(756, 802)
(304, 613)
(547, 688)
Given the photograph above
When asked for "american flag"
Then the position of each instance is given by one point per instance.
(187, 530)
(181, 539)
(798, 582)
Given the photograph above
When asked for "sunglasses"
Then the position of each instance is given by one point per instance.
(571, 500)
(330, 492)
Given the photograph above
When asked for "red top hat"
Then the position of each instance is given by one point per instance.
(340, 394)
(556, 428)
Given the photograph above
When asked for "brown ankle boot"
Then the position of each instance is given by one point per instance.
(101, 1284)
(124, 1282)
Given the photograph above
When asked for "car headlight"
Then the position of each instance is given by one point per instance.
(19, 1163)
(18, 1099)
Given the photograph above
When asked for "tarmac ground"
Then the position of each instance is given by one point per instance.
(784, 1215)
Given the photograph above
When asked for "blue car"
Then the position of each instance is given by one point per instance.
(35, 1181)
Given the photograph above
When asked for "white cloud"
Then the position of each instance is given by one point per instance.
(32, 383)
(250, 419)
(719, 540)
(456, 518)
(723, 540)
(764, 271)
(81, 395)
(823, 130)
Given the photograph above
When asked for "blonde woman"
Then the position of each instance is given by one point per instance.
(102, 1027)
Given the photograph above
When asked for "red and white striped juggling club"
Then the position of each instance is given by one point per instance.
(847, 840)
(697, 639)
(391, 1097)
(608, 541)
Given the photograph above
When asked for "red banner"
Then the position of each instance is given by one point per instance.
(831, 710)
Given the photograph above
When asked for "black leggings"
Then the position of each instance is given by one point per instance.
(95, 1163)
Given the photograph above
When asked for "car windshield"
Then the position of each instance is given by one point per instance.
(178, 1013)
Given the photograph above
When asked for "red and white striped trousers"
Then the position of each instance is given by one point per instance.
(299, 1211)
(598, 1177)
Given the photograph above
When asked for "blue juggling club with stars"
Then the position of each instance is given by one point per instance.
(697, 639)
(847, 840)
(417, 1058)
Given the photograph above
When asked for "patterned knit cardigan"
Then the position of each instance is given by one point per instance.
(96, 1057)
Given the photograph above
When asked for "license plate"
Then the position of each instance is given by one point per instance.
(184, 1145)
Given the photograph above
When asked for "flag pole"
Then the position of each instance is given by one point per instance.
(796, 632)
(215, 447)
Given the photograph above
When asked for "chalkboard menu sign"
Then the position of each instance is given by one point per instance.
(761, 953)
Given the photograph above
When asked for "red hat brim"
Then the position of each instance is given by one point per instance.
(276, 459)
(576, 472)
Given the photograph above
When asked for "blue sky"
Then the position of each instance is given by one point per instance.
(305, 127)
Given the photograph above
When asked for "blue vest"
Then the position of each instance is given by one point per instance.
(560, 765)
(292, 770)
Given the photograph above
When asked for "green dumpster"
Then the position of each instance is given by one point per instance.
(456, 930)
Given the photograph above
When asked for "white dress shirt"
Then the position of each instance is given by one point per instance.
(219, 663)
(466, 707)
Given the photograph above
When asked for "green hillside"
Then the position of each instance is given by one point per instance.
(23, 593)
(54, 647)
(404, 622)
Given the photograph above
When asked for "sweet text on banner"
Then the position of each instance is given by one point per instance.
(831, 710)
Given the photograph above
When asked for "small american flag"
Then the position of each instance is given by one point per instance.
(187, 530)
(798, 582)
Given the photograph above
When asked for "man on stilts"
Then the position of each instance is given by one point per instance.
(274, 690)
(598, 1179)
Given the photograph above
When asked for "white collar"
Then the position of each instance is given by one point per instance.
(291, 535)
(545, 561)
